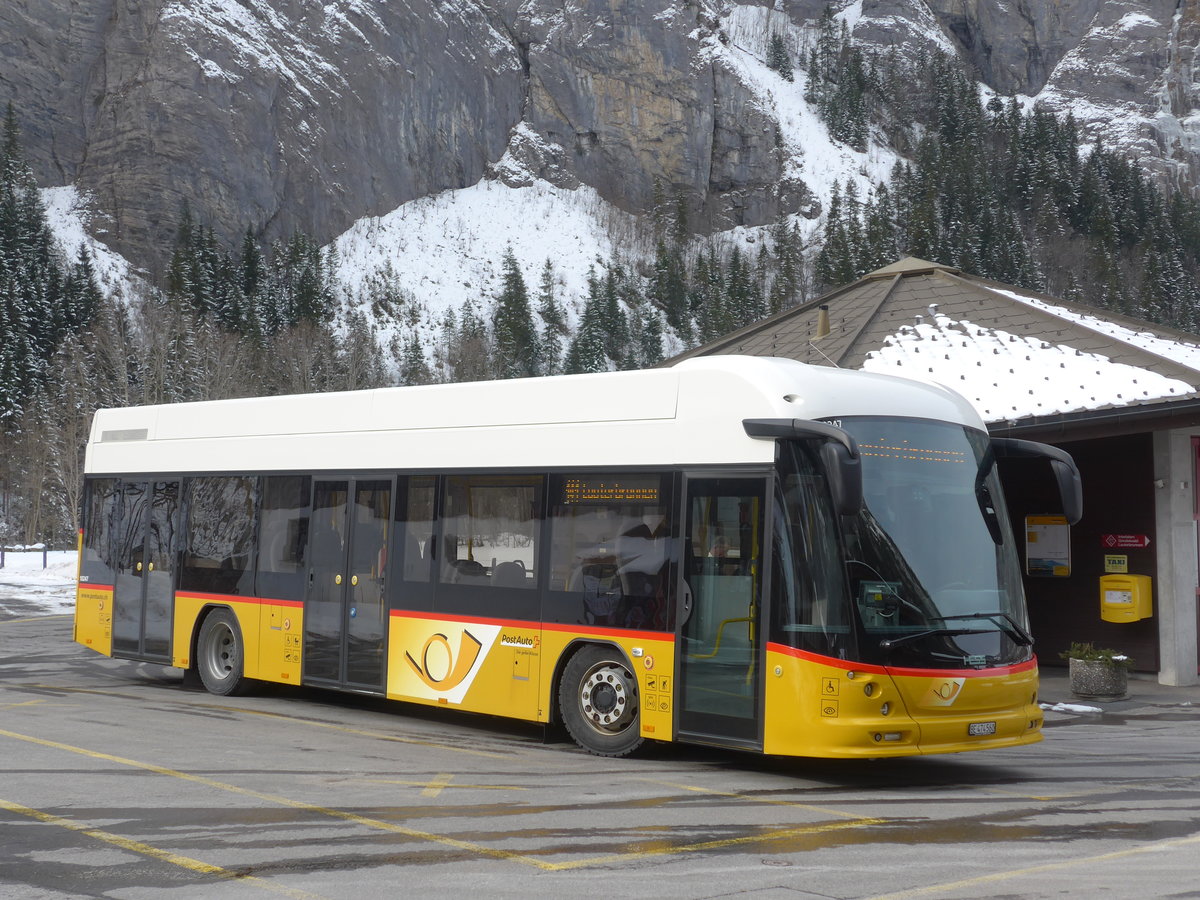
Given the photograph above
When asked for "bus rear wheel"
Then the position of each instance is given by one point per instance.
(220, 654)
(598, 701)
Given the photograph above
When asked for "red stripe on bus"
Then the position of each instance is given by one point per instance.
(851, 666)
(544, 626)
(236, 598)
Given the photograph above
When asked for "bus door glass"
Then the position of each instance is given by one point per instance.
(721, 591)
(344, 615)
(143, 597)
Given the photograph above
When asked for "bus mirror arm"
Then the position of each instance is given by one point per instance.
(839, 454)
(1066, 473)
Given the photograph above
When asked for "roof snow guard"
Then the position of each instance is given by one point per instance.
(1015, 354)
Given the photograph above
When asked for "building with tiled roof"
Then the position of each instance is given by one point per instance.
(1120, 394)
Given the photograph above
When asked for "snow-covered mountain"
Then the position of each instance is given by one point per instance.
(423, 137)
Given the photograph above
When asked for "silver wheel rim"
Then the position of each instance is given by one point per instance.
(608, 698)
(219, 654)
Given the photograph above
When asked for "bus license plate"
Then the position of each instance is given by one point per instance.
(978, 728)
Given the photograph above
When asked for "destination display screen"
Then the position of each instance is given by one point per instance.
(625, 489)
(913, 453)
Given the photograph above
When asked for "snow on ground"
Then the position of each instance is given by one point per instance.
(449, 248)
(817, 160)
(26, 589)
(68, 214)
(1078, 708)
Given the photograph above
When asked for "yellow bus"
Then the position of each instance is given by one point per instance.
(741, 552)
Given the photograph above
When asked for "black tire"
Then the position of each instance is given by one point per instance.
(598, 701)
(220, 654)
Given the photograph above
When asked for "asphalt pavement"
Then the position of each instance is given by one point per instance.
(118, 782)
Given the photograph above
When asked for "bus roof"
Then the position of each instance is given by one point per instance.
(687, 414)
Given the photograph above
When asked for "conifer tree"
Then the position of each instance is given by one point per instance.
(554, 324)
(413, 367)
(43, 299)
(516, 342)
(778, 58)
(586, 350)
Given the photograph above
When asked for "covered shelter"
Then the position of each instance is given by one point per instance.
(1120, 394)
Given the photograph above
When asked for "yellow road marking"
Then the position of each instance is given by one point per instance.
(953, 886)
(36, 619)
(434, 787)
(175, 859)
(364, 821)
(311, 723)
(767, 800)
(22, 703)
(488, 754)
(468, 846)
(471, 787)
(666, 849)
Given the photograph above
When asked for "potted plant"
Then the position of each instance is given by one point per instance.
(1097, 673)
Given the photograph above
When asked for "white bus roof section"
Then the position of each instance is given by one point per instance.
(690, 414)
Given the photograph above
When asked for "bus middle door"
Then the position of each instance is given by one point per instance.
(345, 615)
(719, 698)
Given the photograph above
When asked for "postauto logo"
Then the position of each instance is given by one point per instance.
(450, 658)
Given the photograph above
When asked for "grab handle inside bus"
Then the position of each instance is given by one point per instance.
(1066, 473)
(839, 454)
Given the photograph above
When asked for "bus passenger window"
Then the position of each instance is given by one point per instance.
(99, 528)
(417, 528)
(283, 537)
(220, 536)
(491, 529)
(609, 547)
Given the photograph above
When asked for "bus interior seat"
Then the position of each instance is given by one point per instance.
(509, 574)
(468, 571)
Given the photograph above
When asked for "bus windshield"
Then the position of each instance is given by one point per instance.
(932, 568)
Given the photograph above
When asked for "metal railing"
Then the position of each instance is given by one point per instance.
(44, 550)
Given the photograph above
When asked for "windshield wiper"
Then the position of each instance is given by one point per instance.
(1001, 620)
(889, 643)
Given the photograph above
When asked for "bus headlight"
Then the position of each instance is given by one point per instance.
(885, 709)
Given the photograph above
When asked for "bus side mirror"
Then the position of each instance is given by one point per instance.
(845, 478)
(839, 455)
(1066, 473)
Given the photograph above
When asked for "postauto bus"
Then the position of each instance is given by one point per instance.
(742, 552)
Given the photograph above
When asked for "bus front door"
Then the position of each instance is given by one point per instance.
(144, 593)
(719, 635)
(345, 614)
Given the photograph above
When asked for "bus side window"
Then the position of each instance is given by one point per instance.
(491, 528)
(283, 537)
(220, 535)
(99, 528)
(610, 545)
(417, 528)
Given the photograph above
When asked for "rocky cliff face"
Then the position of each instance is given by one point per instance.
(310, 114)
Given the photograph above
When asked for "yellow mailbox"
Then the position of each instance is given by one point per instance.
(1124, 598)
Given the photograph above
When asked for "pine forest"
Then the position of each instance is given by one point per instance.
(986, 186)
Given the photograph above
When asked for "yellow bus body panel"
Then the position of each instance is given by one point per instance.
(476, 665)
(272, 634)
(822, 707)
(93, 617)
(510, 668)
(280, 641)
(650, 655)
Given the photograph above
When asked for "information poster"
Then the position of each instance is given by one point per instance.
(1047, 546)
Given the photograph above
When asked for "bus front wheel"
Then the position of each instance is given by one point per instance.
(220, 653)
(598, 700)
